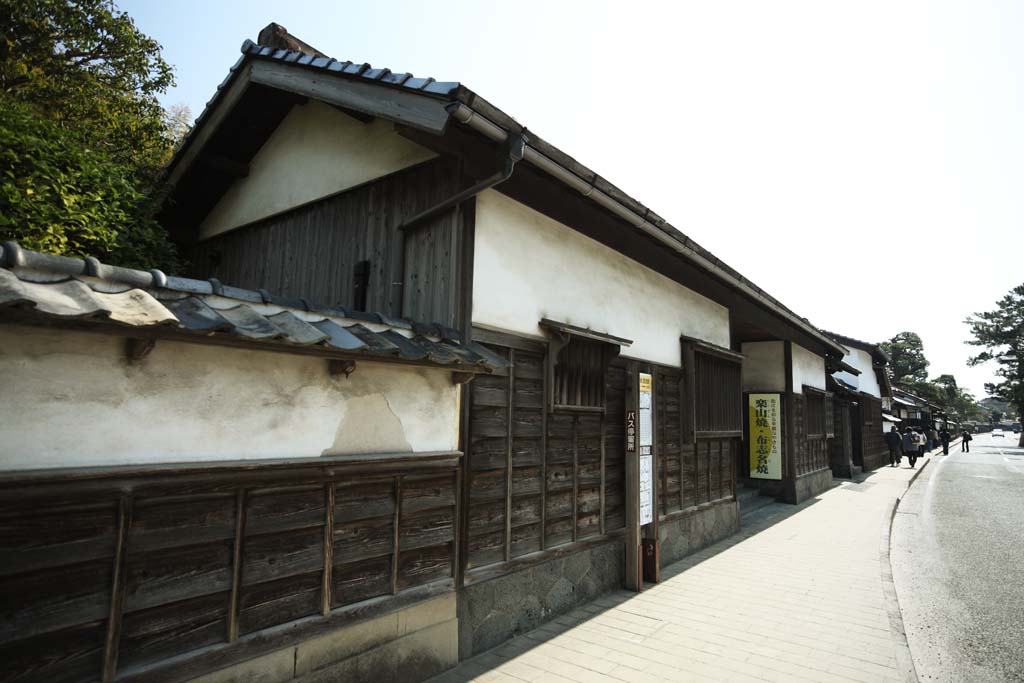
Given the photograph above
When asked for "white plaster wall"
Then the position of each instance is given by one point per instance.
(69, 399)
(808, 368)
(866, 381)
(529, 267)
(316, 151)
(764, 366)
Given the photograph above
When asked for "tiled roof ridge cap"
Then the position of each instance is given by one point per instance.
(365, 70)
(13, 255)
(853, 340)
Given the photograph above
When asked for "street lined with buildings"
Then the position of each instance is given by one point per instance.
(431, 391)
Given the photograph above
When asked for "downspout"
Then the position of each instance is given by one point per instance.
(493, 131)
(513, 153)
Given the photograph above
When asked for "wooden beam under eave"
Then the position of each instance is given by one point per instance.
(222, 164)
(196, 142)
(415, 109)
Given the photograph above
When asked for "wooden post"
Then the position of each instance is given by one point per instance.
(545, 407)
(236, 565)
(682, 440)
(788, 441)
(113, 637)
(634, 557)
(575, 475)
(508, 452)
(689, 407)
(325, 606)
(604, 419)
(464, 481)
(395, 532)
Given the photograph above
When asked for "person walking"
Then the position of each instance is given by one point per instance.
(944, 438)
(895, 443)
(910, 445)
(933, 438)
(965, 444)
(922, 441)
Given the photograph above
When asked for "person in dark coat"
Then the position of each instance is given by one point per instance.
(895, 443)
(910, 445)
(965, 444)
(944, 438)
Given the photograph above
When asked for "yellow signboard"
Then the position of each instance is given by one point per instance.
(765, 412)
(645, 382)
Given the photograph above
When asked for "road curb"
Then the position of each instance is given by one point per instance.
(913, 477)
(904, 659)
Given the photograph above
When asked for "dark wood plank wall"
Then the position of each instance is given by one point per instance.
(539, 478)
(842, 428)
(719, 385)
(813, 452)
(312, 251)
(875, 452)
(700, 429)
(106, 577)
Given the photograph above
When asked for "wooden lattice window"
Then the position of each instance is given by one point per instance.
(578, 375)
(714, 395)
(818, 419)
(719, 394)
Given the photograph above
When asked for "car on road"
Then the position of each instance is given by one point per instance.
(998, 432)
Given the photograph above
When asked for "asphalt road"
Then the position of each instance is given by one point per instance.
(958, 564)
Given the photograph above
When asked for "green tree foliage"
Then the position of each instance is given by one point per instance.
(1000, 332)
(907, 364)
(59, 195)
(85, 66)
(959, 403)
(82, 135)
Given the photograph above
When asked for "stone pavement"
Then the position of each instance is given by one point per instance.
(798, 595)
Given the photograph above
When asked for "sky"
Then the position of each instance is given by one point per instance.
(862, 162)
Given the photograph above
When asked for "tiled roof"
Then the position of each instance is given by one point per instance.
(455, 92)
(873, 347)
(56, 288)
(365, 71)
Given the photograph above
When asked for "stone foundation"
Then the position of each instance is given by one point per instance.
(407, 646)
(688, 533)
(495, 610)
(808, 486)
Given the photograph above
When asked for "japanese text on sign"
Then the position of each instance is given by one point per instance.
(631, 431)
(646, 459)
(646, 418)
(765, 436)
(646, 489)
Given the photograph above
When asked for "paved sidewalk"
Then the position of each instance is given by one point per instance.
(797, 595)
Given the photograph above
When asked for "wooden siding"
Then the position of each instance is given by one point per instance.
(813, 452)
(719, 395)
(543, 477)
(108, 577)
(312, 251)
(539, 478)
(874, 452)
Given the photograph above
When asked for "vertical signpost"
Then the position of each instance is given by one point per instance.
(641, 542)
(765, 411)
(646, 458)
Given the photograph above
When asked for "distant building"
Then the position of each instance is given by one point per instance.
(861, 387)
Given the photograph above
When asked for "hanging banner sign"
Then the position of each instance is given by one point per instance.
(646, 459)
(765, 412)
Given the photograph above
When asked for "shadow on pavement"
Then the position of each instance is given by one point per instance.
(479, 665)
